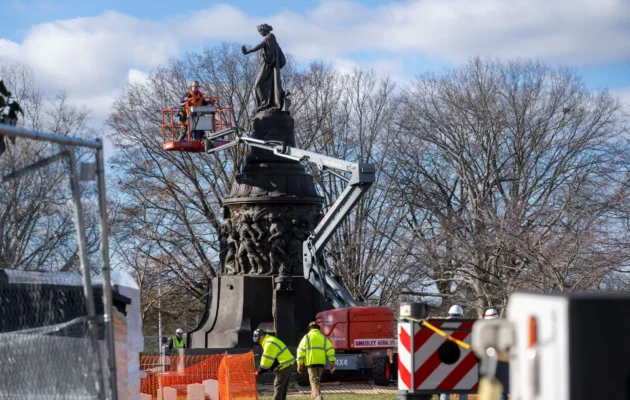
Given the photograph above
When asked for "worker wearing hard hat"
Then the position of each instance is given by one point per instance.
(176, 346)
(177, 341)
(275, 357)
(456, 311)
(192, 98)
(492, 313)
(313, 351)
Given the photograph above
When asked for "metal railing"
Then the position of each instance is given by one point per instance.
(94, 170)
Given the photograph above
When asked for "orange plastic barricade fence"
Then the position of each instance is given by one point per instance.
(236, 377)
(178, 372)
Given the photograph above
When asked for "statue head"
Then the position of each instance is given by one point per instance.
(264, 29)
(247, 218)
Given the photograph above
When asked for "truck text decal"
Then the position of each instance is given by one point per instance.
(373, 343)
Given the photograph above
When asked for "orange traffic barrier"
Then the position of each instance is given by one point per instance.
(234, 374)
(236, 377)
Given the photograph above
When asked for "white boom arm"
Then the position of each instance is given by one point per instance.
(362, 177)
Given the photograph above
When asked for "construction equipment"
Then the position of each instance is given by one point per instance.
(363, 336)
(564, 346)
(206, 119)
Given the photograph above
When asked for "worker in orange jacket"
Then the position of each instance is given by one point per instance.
(192, 98)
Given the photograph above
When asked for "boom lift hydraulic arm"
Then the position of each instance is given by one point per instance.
(361, 178)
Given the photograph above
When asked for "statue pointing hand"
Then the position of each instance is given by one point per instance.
(268, 92)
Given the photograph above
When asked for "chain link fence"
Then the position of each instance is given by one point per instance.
(48, 343)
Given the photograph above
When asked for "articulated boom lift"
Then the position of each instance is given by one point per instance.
(363, 337)
(362, 177)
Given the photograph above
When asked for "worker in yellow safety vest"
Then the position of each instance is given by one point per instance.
(313, 350)
(277, 358)
(177, 341)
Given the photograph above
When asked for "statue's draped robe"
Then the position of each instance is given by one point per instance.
(268, 86)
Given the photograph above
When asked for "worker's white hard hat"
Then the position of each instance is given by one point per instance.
(491, 313)
(179, 330)
(456, 310)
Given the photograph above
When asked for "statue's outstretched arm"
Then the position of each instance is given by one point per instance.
(253, 49)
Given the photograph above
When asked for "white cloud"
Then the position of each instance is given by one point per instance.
(94, 57)
(97, 53)
(579, 32)
(9, 50)
(344, 65)
(136, 76)
(624, 96)
(87, 55)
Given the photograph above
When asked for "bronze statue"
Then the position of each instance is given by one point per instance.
(278, 254)
(228, 244)
(298, 233)
(268, 92)
(249, 247)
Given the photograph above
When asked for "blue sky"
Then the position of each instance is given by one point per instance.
(109, 43)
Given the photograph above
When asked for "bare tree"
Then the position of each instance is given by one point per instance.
(350, 116)
(36, 226)
(512, 173)
(171, 200)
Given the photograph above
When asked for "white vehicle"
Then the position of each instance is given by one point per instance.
(561, 347)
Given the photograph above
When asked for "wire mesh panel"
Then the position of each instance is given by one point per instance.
(46, 339)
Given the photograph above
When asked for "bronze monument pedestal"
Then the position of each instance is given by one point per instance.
(272, 208)
(240, 304)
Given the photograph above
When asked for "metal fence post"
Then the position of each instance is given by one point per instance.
(85, 268)
(107, 287)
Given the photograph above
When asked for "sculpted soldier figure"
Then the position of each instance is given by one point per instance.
(268, 92)
(229, 244)
(278, 254)
(248, 247)
(298, 233)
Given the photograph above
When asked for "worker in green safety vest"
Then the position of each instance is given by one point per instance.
(177, 341)
(276, 357)
(313, 351)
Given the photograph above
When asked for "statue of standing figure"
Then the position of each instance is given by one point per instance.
(278, 254)
(268, 92)
(228, 244)
(248, 249)
(299, 232)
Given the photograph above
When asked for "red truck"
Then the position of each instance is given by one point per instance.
(363, 338)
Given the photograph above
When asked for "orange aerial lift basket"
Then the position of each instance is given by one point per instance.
(181, 133)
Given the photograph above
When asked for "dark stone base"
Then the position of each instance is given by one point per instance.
(273, 126)
(274, 183)
(238, 305)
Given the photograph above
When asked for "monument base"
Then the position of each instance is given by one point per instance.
(240, 304)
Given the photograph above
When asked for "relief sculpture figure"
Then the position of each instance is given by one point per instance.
(248, 247)
(228, 244)
(278, 254)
